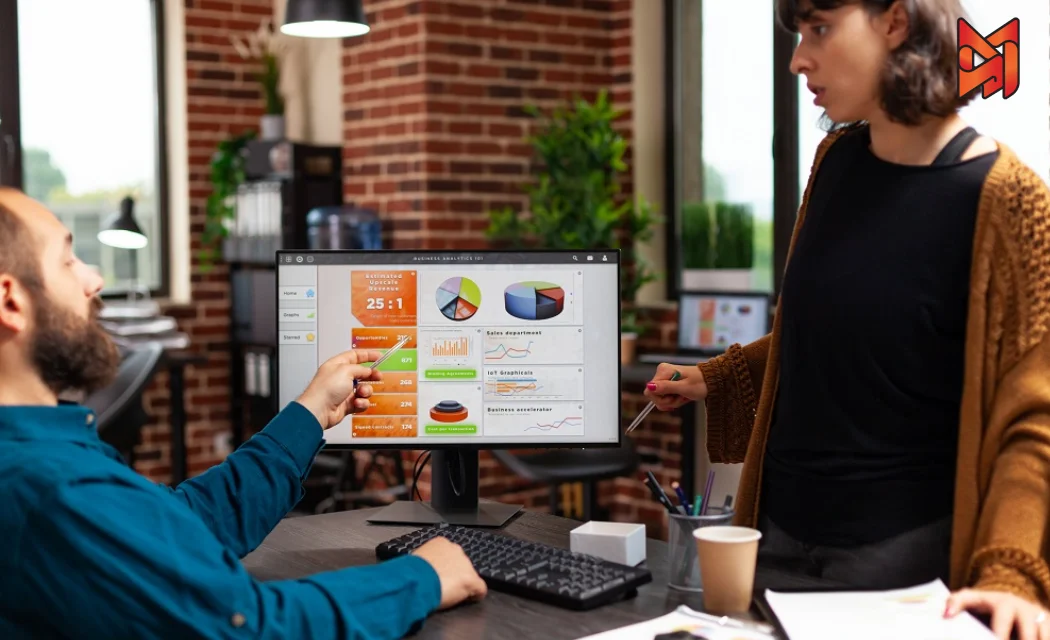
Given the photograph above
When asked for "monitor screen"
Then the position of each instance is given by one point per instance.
(504, 348)
(709, 322)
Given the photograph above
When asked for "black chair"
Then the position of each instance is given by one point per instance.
(566, 466)
(119, 413)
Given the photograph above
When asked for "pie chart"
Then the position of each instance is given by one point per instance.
(534, 300)
(458, 298)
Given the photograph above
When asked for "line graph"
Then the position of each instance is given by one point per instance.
(571, 421)
(549, 345)
(510, 382)
(534, 419)
(512, 386)
(502, 351)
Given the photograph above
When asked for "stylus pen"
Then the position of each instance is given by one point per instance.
(648, 409)
(400, 343)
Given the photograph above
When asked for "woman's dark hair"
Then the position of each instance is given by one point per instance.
(921, 76)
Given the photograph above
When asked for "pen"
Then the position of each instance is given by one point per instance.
(681, 495)
(696, 505)
(648, 408)
(400, 343)
(658, 492)
(707, 491)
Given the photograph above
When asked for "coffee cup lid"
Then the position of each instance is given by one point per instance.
(727, 534)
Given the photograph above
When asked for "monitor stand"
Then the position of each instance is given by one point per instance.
(454, 496)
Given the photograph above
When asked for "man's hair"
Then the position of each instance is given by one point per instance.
(921, 76)
(18, 255)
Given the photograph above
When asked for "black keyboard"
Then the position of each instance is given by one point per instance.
(529, 569)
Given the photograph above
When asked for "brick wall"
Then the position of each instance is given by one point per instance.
(223, 100)
(435, 138)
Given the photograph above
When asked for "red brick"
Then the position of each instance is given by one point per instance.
(465, 128)
(484, 71)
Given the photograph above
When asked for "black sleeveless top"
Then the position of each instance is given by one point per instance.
(864, 431)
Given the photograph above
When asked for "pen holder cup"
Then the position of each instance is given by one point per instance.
(683, 563)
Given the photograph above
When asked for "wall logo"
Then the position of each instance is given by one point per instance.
(997, 70)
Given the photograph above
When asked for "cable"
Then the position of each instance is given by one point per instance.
(462, 474)
(417, 470)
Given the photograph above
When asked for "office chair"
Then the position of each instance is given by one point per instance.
(566, 466)
(119, 414)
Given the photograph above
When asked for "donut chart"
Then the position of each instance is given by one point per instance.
(534, 300)
(458, 298)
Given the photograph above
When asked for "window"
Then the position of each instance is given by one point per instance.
(726, 143)
(81, 115)
(1021, 122)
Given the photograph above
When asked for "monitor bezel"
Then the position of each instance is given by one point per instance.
(432, 446)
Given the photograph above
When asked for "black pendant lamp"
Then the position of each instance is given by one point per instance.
(324, 19)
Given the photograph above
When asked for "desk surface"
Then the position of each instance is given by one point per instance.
(299, 547)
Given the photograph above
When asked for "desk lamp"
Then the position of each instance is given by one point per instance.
(324, 19)
(121, 231)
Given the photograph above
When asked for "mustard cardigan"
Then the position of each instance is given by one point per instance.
(1002, 490)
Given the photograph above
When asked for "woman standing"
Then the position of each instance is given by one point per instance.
(895, 425)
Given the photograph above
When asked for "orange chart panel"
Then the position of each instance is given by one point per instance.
(371, 338)
(396, 382)
(392, 404)
(366, 427)
(383, 298)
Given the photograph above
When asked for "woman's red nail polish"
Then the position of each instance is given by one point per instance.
(651, 386)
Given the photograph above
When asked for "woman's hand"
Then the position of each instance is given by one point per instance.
(1007, 612)
(670, 394)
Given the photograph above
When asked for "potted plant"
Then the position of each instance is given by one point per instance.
(577, 201)
(718, 242)
(266, 47)
(227, 174)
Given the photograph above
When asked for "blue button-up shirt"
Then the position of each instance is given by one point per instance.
(91, 549)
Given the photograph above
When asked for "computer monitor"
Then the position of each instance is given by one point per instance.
(710, 321)
(506, 350)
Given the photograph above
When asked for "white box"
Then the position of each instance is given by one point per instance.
(622, 542)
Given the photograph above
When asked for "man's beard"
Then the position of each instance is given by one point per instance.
(71, 353)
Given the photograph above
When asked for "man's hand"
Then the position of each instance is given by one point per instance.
(459, 580)
(331, 395)
(1008, 613)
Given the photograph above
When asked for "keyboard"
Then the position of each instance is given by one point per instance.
(531, 570)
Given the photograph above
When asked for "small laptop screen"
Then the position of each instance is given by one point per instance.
(709, 322)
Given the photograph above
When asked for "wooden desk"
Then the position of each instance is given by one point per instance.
(299, 547)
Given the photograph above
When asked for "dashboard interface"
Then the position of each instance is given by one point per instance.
(502, 347)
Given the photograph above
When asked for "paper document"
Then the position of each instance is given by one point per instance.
(683, 618)
(915, 613)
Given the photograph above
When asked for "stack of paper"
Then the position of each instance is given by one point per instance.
(915, 613)
(685, 619)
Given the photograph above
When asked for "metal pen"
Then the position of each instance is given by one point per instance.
(648, 409)
(400, 343)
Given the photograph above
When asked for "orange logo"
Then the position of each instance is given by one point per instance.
(998, 70)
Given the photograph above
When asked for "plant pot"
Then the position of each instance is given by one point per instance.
(271, 127)
(716, 279)
(628, 348)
